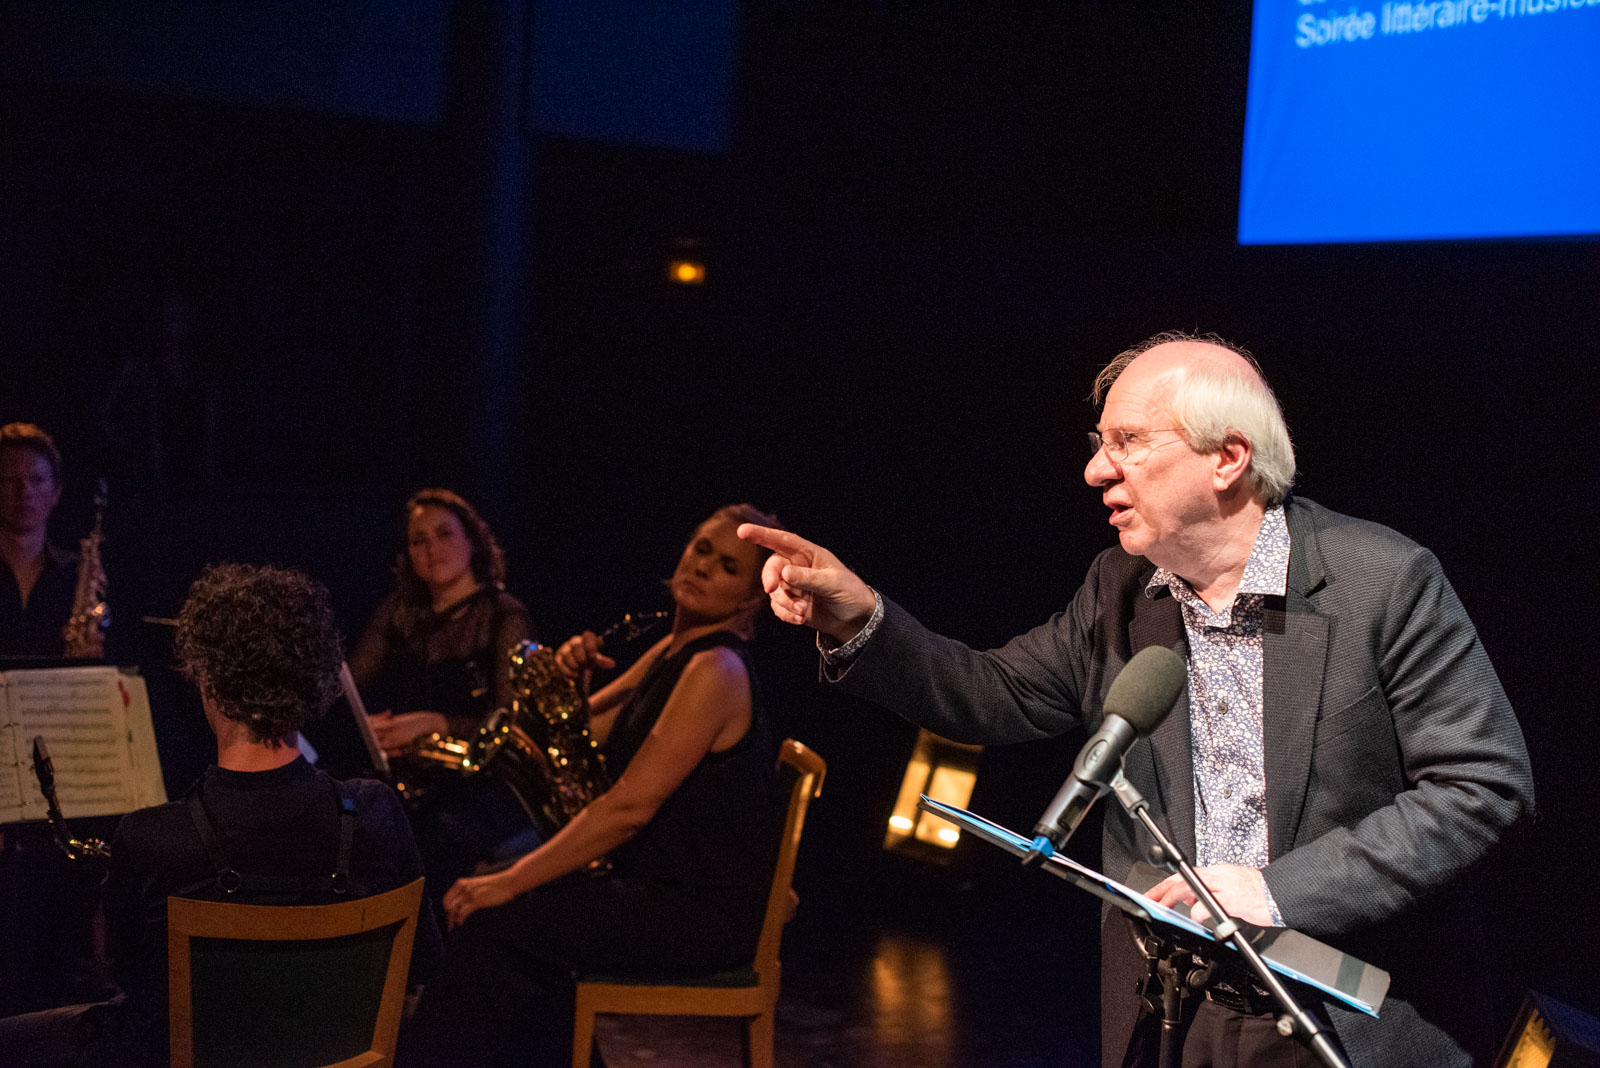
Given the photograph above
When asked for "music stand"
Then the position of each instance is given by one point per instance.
(1286, 952)
(358, 709)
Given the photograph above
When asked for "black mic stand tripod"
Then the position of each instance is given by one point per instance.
(1293, 1022)
(1175, 973)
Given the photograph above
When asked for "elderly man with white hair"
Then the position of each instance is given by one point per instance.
(1343, 754)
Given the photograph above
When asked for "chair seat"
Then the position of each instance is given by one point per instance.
(728, 980)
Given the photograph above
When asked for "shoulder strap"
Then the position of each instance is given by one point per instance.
(230, 881)
(339, 881)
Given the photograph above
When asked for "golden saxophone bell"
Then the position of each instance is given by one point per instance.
(90, 612)
(540, 747)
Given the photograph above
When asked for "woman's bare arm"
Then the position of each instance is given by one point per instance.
(709, 710)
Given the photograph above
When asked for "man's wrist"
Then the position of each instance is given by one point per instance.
(868, 606)
(837, 656)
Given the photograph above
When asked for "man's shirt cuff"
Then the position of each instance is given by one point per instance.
(1272, 906)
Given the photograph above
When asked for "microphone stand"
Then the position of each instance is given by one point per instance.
(1295, 1021)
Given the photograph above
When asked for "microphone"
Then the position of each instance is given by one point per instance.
(1139, 699)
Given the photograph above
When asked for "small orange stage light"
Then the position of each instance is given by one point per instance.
(686, 272)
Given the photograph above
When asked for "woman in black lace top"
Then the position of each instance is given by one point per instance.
(434, 656)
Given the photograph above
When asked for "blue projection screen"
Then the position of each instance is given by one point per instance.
(1402, 121)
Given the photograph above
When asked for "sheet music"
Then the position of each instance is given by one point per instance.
(149, 788)
(11, 768)
(94, 721)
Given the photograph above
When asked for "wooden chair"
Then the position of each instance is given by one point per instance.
(748, 992)
(309, 986)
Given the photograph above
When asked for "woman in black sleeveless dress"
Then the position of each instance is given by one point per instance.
(691, 827)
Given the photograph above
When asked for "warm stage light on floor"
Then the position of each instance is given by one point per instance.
(945, 771)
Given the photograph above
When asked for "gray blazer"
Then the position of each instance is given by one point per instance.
(1393, 761)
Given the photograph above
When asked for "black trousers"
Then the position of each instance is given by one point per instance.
(1224, 1038)
(462, 823)
(97, 1035)
(505, 993)
(49, 1038)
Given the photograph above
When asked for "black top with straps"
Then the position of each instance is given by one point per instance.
(288, 836)
(718, 830)
(231, 881)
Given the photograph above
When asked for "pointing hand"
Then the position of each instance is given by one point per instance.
(807, 584)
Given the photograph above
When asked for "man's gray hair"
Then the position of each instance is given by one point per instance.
(1211, 399)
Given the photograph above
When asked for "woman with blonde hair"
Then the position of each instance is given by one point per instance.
(690, 827)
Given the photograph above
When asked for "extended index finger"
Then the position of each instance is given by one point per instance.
(779, 541)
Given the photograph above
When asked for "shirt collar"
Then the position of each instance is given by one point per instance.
(1265, 572)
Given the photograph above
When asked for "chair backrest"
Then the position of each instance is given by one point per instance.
(809, 770)
(289, 985)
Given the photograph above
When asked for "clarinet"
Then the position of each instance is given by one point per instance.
(90, 849)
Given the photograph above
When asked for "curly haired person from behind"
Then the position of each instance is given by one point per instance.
(260, 645)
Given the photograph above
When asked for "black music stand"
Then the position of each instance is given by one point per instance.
(1167, 932)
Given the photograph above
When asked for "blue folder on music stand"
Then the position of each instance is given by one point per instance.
(1289, 953)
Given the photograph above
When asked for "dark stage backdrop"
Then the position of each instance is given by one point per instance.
(931, 228)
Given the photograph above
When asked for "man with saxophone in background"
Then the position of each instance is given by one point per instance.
(47, 951)
(41, 597)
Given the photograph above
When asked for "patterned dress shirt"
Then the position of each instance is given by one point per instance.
(1225, 698)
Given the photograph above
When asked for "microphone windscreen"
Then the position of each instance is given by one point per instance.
(1147, 686)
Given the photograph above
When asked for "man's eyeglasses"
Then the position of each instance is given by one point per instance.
(1120, 444)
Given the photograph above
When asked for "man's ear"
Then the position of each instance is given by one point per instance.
(1232, 461)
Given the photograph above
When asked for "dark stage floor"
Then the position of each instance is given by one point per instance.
(912, 966)
(910, 971)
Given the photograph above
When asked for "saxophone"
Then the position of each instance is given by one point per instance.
(90, 612)
(540, 747)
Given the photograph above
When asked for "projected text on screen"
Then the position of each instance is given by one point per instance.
(1433, 119)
